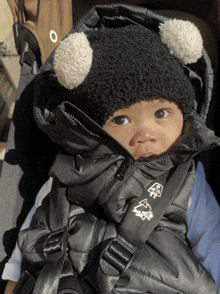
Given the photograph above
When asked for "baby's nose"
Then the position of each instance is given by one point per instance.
(143, 135)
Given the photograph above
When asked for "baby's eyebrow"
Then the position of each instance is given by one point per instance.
(162, 100)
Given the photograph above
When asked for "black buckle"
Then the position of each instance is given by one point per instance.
(29, 48)
(117, 257)
(28, 57)
(55, 245)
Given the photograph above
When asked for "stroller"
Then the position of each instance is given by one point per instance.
(30, 153)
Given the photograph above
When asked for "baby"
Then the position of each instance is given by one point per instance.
(122, 109)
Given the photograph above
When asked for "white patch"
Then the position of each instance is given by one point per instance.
(53, 36)
(143, 210)
(155, 190)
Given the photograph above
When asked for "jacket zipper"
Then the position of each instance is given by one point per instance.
(125, 166)
(117, 177)
(207, 147)
(91, 134)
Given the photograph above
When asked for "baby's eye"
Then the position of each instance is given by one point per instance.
(120, 120)
(161, 113)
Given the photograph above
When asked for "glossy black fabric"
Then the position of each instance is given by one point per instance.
(164, 264)
(91, 194)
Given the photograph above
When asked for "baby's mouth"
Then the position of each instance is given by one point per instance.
(146, 155)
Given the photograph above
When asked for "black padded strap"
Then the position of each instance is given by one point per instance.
(55, 245)
(141, 218)
(59, 206)
(145, 212)
(48, 280)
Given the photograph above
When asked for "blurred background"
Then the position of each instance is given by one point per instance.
(9, 74)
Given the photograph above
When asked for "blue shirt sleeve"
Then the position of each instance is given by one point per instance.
(203, 219)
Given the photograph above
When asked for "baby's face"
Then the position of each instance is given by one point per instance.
(147, 128)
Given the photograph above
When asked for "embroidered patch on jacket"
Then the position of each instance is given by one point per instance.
(143, 210)
(155, 190)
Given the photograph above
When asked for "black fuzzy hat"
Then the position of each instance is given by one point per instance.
(113, 68)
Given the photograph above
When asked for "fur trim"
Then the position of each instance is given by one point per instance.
(73, 60)
(183, 39)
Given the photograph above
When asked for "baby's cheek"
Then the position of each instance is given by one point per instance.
(123, 137)
(172, 139)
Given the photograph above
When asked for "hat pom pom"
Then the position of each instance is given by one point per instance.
(183, 39)
(73, 60)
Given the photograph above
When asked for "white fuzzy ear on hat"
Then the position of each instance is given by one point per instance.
(73, 60)
(183, 39)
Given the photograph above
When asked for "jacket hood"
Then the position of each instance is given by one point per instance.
(84, 142)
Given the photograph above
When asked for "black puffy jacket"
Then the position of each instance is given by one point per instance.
(88, 213)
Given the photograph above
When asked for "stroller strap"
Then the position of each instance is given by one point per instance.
(143, 216)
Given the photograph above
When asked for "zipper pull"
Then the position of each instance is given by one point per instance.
(122, 170)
